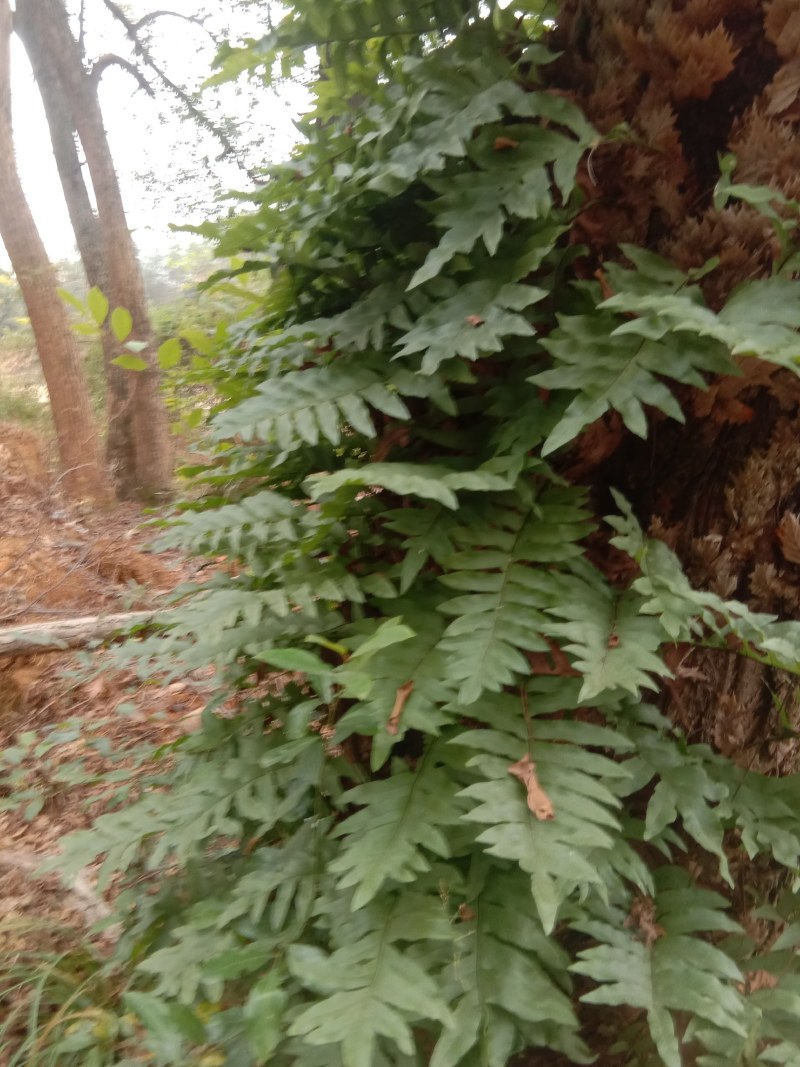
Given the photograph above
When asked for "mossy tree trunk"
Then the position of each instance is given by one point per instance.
(684, 84)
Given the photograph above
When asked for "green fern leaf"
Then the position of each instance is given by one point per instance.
(613, 645)
(399, 819)
(509, 977)
(472, 322)
(502, 614)
(373, 990)
(474, 206)
(559, 852)
(668, 970)
(418, 663)
(607, 369)
(428, 534)
(429, 481)
(305, 406)
(235, 529)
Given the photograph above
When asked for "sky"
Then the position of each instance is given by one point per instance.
(159, 159)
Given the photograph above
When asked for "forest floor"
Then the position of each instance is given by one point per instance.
(59, 561)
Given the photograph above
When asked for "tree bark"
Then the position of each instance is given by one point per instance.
(119, 448)
(139, 430)
(85, 476)
(692, 82)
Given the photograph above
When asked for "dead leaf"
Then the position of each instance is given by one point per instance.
(642, 919)
(784, 88)
(789, 537)
(502, 144)
(403, 693)
(760, 980)
(605, 286)
(538, 801)
(391, 437)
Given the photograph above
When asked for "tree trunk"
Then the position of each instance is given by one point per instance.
(78, 440)
(694, 81)
(142, 448)
(85, 225)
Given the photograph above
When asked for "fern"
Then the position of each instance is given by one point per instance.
(375, 989)
(303, 406)
(557, 852)
(667, 969)
(397, 816)
(432, 801)
(502, 612)
(509, 978)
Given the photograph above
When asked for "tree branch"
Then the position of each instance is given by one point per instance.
(68, 633)
(142, 50)
(110, 60)
(151, 16)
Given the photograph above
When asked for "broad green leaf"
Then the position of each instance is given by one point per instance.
(121, 323)
(97, 303)
(293, 659)
(168, 1025)
(73, 301)
(263, 1016)
(130, 362)
(170, 353)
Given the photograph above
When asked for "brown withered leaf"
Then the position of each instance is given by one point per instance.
(403, 693)
(782, 27)
(391, 437)
(789, 537)
(538, 801)
(759, 980)
(784, 88)
(642, 920)
(605, 285)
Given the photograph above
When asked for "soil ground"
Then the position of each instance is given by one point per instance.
(59, 562)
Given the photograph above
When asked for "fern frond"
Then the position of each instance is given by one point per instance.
(557, 852)
(510, 981)
(474, 321)
(414, 674)
(399, 819)
(660, 967)
(234, 529)
(613, 646)
(374, 990)
(310, 405)
(502, 614)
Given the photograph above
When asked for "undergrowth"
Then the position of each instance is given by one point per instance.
(450, 816)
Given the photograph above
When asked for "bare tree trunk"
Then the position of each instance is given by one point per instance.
(143, 456)
(78, 440)
(120, 451)
(718, 488)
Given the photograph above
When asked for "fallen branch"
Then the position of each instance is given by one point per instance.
(68, 633)
(78, 889)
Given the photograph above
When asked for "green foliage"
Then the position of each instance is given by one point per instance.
(431, 815)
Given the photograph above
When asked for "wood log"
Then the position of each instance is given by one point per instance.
(67, 633)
